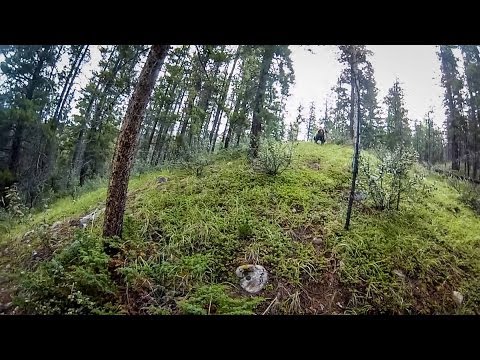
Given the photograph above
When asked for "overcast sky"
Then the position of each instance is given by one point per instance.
(416, 66)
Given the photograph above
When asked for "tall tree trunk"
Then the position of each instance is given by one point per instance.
(356, 123)
(216, 122)
(125, 147)
(154, 127)
(73, 73)
(159, 141)
(256, 130)
(231, 121)
(352, 104)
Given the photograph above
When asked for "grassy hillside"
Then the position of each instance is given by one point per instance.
(184, 238)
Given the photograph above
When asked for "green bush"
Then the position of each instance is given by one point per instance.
(75, 281)
(388, 179)
(469, 192)
(13, 202)
(194, 162)
(274, 157)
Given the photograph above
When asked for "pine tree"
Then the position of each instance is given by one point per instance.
(127, 141)
(398, 132)
(456, 122)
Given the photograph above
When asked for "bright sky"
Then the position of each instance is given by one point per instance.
(416, 66)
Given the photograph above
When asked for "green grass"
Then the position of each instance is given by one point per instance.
(183, 240)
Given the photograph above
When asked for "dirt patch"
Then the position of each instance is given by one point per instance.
(312, 231)
(305, 233)
(327, 296)
(428, 298)
(297, 208)
(5, 298)
(323, 295)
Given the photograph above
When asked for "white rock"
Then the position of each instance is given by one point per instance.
(28, 233)
(253, 277)
(458, 297)
(56, 224)
(317, 240)
(90, 217)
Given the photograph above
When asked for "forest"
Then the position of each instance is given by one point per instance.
(168, 179)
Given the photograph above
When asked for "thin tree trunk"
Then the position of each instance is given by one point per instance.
(356, 122)
(154, 127)
(352, 104)
(73, 73)
(218, 114)
(258, 104)
(125, 147)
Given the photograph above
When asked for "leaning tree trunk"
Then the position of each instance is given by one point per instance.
(258, 104)
(356, 125)
(126, 143)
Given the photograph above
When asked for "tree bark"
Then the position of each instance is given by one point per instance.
(356, 123)
(352, 104)
(126, 143)
(258, 103)
(216, 122)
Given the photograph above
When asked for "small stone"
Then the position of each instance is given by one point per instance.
(7, 266)
(28, 233)
(56, 224)
(83, 222)
(162, 179)
(253, 277)
(399, 273)
(317, 241)
(458, 297)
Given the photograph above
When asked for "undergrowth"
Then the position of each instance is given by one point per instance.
(184, 237)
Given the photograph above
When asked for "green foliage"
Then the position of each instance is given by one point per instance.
(75, 281)
(13, 202)
(387, 180)
(183, 240)
(274, 157)
(398, 133)
(214, 299)
(469, 192)
(194, 162)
